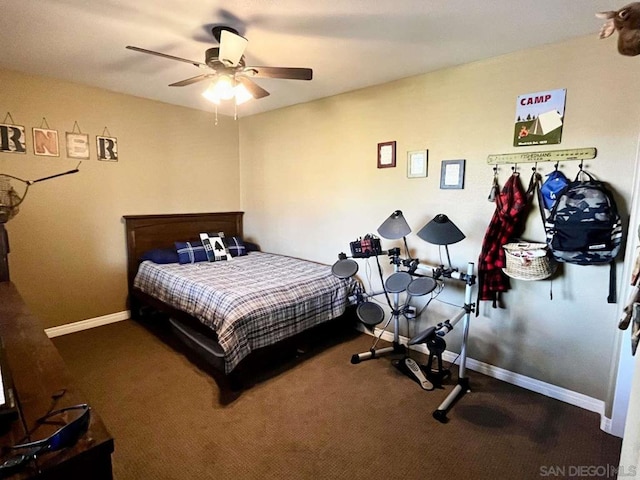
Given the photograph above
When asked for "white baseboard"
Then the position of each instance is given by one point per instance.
(86, 324)
(553, 391)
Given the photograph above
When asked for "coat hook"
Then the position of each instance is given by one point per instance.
(556, 165)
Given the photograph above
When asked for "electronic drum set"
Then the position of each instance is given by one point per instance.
(413, 285)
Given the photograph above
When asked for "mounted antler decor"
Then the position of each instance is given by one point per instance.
(627, 22)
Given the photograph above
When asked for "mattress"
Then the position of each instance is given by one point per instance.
(250, 301)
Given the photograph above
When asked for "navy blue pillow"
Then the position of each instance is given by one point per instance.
(191, 252)
(236, 246)
(251, 247)
(160, 255)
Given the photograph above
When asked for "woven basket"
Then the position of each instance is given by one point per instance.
(528, 261)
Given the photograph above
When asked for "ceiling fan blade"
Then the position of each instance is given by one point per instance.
(290, 73)
(255, 90)
(164, 55)
(189, 81)
(232, 47)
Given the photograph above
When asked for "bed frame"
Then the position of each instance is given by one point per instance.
(146, 232)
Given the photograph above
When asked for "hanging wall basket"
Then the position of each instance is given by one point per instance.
(528, 261)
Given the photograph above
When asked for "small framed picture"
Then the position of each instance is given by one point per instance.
(452, 174)
(45, 142)
(417, 163)
(12, 138)
(77, 145)
(386, 154)
(107, 148)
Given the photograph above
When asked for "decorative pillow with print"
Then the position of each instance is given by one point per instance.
(214, 247)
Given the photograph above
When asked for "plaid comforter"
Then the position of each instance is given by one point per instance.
(249, 301)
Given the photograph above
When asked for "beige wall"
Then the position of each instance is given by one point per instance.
(310, 186)
(67, 243)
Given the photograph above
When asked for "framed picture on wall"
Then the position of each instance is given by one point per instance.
(12, 138)
(107, 148)
(77, 145)
(539, 118)
(45, 142)
(386, 154)
(417, 163)
(452, 174)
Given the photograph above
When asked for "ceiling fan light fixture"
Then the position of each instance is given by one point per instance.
(221, 89)
(224, 88)
(242, 94)
(210, 95)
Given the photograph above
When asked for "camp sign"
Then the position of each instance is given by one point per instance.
(539, 118)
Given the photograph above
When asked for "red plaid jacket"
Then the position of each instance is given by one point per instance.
(505, 224)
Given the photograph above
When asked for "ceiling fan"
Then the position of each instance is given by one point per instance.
(225, 65)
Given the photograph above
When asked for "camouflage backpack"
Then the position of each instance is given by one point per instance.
(584, 226)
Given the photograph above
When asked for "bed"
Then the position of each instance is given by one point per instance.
(226, 310)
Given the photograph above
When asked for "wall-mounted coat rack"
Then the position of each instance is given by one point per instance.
(546, 156)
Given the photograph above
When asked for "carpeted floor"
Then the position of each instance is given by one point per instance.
(317, 416)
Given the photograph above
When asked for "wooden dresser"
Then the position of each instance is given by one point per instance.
(39, 372)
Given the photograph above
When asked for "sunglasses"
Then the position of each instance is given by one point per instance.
(65, 436)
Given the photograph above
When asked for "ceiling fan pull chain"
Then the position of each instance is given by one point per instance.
(216, 122)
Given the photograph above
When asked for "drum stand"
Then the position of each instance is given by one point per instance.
(441, 330)
(396, 311)
(431, 336)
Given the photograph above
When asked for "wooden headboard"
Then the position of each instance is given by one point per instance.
(145, 232)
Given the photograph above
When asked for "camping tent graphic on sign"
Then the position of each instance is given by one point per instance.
(539, 118)
(545, 123)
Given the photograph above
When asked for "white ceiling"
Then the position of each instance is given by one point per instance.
(349, 44)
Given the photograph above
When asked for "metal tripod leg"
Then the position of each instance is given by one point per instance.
(458, 391)
(375, 353)
(463, 382)
(461, 388)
